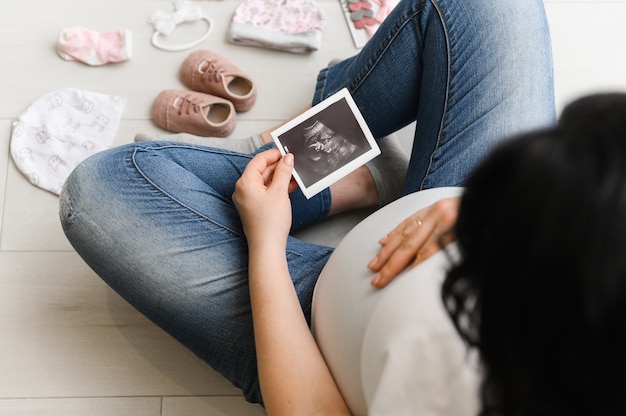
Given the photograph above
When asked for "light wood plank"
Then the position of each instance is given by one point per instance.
(150, 406)
(588, 56)
(5, 131)
(66, 334)
(213, 406)
(31, 216)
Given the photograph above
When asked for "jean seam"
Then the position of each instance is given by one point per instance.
(171, 197)
(385, 45)
(321, 86)
(431, 159)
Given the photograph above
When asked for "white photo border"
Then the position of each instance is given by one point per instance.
(373, 150)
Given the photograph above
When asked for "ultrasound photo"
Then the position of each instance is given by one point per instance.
(328, 141)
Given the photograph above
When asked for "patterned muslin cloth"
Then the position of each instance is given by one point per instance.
(60, 130)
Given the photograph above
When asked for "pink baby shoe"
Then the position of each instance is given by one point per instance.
(207, 72)
(194, 112)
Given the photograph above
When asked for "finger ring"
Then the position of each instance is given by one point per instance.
(418, 221)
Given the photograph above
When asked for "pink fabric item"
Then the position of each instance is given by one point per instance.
(359, 5)
(287, 25)
(94, 48)
(288, 16)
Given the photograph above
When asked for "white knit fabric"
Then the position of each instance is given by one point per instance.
(60, 130)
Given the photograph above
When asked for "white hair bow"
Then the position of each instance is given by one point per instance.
(165, 23)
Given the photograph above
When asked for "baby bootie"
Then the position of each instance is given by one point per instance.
(194, 112)
(207, 72)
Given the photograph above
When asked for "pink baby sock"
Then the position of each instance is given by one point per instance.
(94, 48)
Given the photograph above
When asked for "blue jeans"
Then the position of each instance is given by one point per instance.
(156, 220)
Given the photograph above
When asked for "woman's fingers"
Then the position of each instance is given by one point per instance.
(261, 196)
(281, 177)
(414, 240)
(265, 164)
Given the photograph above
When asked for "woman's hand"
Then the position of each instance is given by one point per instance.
(262, 197)
(293, 374)
(414, 240)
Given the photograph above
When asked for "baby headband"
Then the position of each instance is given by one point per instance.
(165, 23)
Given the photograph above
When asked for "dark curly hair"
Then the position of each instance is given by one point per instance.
(540, 286)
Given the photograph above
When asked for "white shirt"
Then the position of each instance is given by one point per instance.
(393, 351)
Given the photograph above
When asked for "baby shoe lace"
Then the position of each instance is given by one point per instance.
(187, 105)
(210, 70)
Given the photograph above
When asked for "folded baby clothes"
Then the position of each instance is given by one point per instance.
(60, 130)
(288, 25)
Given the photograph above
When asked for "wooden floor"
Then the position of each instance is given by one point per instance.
(68, 344)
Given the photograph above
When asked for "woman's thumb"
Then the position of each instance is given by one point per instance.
(282, 174)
